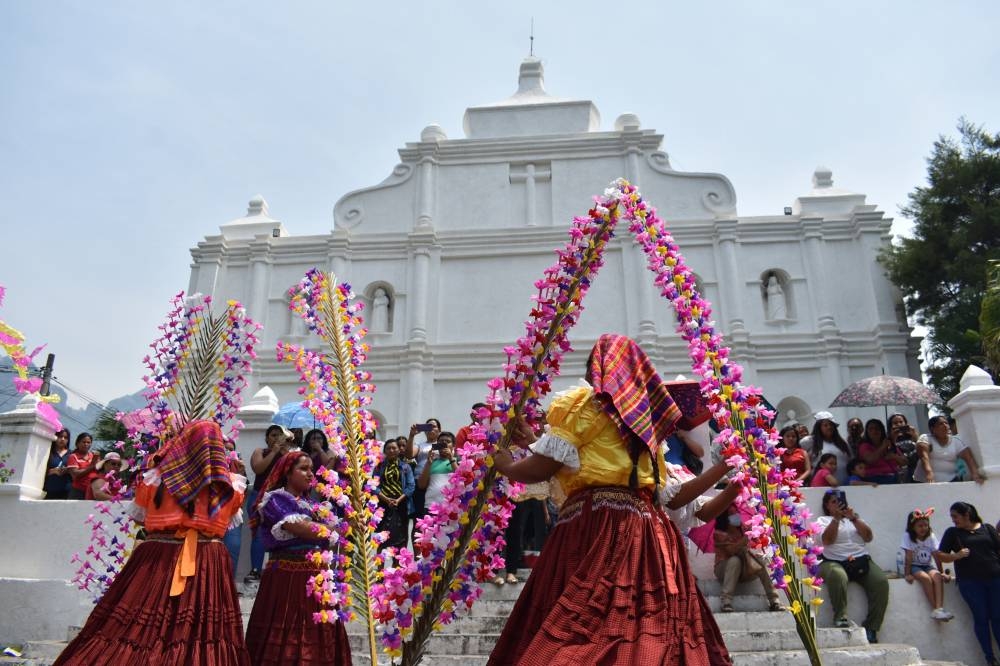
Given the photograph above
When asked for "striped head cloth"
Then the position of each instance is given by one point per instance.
(193, 460)
(276, 479)
(630, 391)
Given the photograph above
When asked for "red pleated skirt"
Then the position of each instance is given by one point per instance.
(612, 586)
(281, 628)
(138, 623)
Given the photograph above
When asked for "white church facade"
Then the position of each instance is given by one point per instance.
(445, 250)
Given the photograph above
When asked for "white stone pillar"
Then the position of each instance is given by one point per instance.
(529, 194)
(633, 253)
(27, 436)
(259, 284)
(977, 410)
(732, 303)
(256, 415)
(812, 228)
(413, 405)
(419, 295)
(427, 176)
(204, 272)
(339, 253)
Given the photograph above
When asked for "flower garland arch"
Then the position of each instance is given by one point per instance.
(458, 545)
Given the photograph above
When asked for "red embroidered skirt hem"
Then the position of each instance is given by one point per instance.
(138, 623)
(612, 586)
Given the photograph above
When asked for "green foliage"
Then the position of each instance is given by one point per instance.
(989, 319)
(942, 269)
(107, 427)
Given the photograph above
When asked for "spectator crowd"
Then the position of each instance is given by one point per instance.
(415, 469)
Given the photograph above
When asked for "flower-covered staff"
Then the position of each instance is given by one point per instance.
(336, 391)
(174, 601)
(771, 494)
(281, 628)
(613, 584)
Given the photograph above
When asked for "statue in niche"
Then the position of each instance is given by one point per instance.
(380, 311)
(777, 306)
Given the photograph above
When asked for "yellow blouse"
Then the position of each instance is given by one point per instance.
(574, 416)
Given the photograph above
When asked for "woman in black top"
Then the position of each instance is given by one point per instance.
(974, 547)
(57, 478)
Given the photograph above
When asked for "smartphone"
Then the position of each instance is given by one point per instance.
(841, 498)
(425, 427)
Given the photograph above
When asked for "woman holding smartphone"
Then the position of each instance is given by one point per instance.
(846, 559)
(440, 465)
(418, 454)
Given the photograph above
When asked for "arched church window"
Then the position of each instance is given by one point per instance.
(296, 324)
(776, 295)
(791, 409)
(379, 425)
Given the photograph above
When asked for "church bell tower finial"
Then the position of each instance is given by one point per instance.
(531, 39)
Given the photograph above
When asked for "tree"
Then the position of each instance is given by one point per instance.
(942, 269)
(989, 319)
(108, 428)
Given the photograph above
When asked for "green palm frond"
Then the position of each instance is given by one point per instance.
(201, 370)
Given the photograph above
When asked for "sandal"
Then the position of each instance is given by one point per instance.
(512, 579)
(775, 606)
(727, 607)
(498, 581)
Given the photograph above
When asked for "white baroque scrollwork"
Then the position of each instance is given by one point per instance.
(349, 212)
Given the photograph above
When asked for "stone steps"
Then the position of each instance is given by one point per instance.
(754, 636)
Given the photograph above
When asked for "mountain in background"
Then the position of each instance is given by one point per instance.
(76, 420)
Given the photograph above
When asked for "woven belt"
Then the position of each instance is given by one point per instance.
(168, 537)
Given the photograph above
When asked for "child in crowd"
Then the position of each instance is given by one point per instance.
(919, 544)
(856, 470)
(826, 472)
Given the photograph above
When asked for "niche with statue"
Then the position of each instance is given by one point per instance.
(776, 296)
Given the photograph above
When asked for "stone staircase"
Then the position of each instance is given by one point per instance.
(754, 636)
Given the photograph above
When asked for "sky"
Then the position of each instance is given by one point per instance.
(130, 131)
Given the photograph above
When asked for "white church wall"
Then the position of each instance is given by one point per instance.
(483, 198)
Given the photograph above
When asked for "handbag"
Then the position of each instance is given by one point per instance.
(752, 566)
(856, 567)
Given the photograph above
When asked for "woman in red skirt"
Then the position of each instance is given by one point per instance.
(174, 601)
(612, 585)
(281, 629)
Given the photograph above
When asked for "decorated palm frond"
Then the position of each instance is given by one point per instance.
(336, 390)
(199, 365)
(198, 370)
